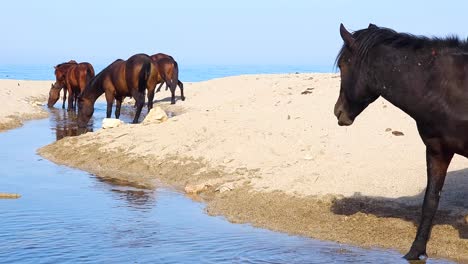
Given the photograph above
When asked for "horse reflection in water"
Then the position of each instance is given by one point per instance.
(65, 125)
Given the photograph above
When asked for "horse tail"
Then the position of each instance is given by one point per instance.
(175, 75)
(144, 75)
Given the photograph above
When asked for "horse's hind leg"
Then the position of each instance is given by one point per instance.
(437, 164)
(150, 98)
(181, 86)
(172, 94)
(140, 101)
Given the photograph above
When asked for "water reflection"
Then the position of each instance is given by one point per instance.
(64, 124)
(134, 196)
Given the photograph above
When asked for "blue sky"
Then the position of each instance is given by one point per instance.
(207, 31)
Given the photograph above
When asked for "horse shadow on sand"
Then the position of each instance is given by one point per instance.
(453, 204)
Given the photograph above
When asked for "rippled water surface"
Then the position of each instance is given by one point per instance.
(69, 216)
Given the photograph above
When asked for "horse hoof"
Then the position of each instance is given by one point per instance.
(183, 98)
(415, 255)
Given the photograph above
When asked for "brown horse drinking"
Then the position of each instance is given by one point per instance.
(118, 80)
(60, 76)
(427, 79)
(73, 78)
(168, 72)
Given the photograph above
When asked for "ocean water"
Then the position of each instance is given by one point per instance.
(187, 73)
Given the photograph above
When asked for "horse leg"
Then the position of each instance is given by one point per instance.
(110, 101)
(140, 101)
(150, 98)
(64, 97)
(173, 87)
(71, 97)
(437, 162)
(118, 105)
(181, 86)
(159, 88)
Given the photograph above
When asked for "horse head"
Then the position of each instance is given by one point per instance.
(85, 111)
(355, 94)
(54, 94)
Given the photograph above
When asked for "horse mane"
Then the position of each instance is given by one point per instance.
(96, 78)
(368, 38)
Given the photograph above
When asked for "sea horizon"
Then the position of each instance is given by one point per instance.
(187, 73)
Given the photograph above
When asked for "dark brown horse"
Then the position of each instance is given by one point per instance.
(427, 79)
(118, 80)
(60, 78)
(73, 78)
(168, 72)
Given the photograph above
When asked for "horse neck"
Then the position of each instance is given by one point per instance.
(402, 79)
(94, 89)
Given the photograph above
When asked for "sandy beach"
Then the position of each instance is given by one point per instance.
(267, 150)
(22, 100)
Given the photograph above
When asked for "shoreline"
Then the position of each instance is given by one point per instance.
(266, 150)
(357, 221)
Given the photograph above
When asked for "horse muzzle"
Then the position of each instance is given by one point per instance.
(343, 118)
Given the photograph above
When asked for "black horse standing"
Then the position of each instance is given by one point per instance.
(427, 78)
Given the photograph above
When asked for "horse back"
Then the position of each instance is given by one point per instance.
(159, 56)
(166, 67)
(138, 70)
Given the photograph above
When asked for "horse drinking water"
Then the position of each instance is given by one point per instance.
(72, 77)
(60, 72)
(427, 78)
(118, 80)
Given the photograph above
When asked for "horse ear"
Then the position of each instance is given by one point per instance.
(372, 26)
(55, 67)
(346, 36)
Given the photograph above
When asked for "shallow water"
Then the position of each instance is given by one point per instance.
(69, 216)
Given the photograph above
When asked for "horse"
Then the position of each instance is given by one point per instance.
(168, 72)
(118, 80)
(72, 77)
(156, 57)
(425, 77)
(60, 76)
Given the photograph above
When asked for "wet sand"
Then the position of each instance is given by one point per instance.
(266, 150)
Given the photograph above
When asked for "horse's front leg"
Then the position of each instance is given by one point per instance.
(118, 105)
(437, 164)
(71, 98)
(159, 87)
(110, 101)
(140, 101)
(64, 97)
